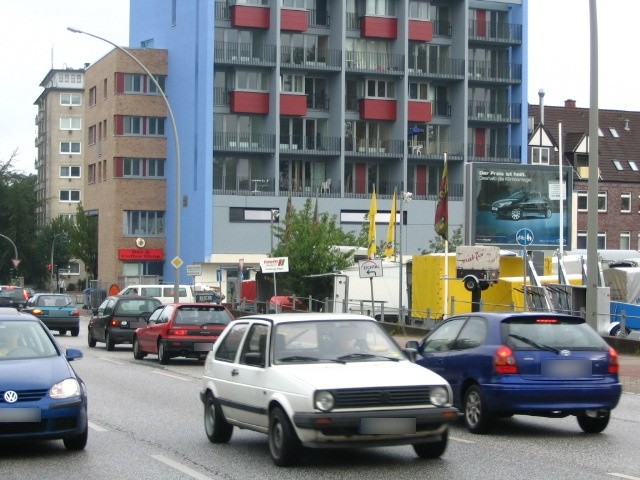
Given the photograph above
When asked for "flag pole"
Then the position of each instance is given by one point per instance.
(446, 253)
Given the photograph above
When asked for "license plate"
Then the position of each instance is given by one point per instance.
(566, 368)
(387, 426)
(13, 415)
(203, 347)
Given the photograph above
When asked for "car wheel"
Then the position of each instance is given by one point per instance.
(470, 284)
(617, 331)
(163, 355)
(90, 340)
(593, 422)
(137, 353)
(216, 427)
(75, 331)
(284, 444)
(432, 449)
(516, 214)
(476, 416)
(77, 442)
(109, 341)
(62, 332)
(547, 213)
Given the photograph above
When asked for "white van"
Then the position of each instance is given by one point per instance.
(164, 293)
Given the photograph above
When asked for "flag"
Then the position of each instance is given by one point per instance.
(391, 233)
(371, 248)
(441, 223)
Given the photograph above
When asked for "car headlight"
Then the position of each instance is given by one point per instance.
(65, 389)
(323, 400)
(439, 396)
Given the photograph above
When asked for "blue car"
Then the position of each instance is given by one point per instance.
(41, 396)
(524, 363)
(58, 311)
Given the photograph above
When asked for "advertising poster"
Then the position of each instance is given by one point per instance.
(509, 198)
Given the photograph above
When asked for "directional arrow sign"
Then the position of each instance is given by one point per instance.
(16, 262)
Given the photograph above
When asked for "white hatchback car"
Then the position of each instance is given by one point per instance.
(322, 381)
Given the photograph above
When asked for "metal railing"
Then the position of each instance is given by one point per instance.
(244, 54)
(495, 71)
(500, 32)
(251, 142)
(493, 153)
(494, 111)
(442, 68)
(301, 57)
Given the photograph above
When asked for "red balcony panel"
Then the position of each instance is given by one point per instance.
(249, 102)
(421, 180)
(379, 27)
(295, 20)
(293, 104)
(420, 111)
(250, 16)
(375, 109)
(421, 30)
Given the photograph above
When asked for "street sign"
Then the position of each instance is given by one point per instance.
(524, 237)
(219, 274)
(16, 262)
(194, 270)
(274, 264)
(370, 268)
(177, 262)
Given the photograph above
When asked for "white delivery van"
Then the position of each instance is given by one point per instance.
(164, 293)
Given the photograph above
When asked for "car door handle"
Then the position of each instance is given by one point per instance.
(234, 372)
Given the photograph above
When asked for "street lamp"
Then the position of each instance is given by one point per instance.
(275, 214)
(404, 197)
(16, 260)
(53, 244)
(177, 261)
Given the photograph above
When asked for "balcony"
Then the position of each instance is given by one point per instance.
(491, 112)
(319, 18)
(426, 150)
(371, 62)
(419, 111)
(318, 101)
(309, 145)
(378, 109)
(491, 33)
(420, 30)
(477, 152)
(294, 20)
(220, 97)
(233, 185)
(250, 16)
(436, 68)
(249, 102)
(495, 72)
(425, 190)
(305, 187)
(293, 104)
(374, 147)
(379, 27)
(298, 57)
(222, 11)
(229, 53)
(244, 142)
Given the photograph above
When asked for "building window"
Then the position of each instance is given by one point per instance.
(134, 83)
(381, 89)
(142, 222)
(419, 91)
(133, 125)
(70, 147)
(602, 201)
(385, 8)
(143, 125)
(70, 196)
(540, 155)
(70, 123)
(582, 201)
(92, 135)
(71, 99)
(142, 167)
(156, 125)
(625, 203)
(618, 165)
(91, 175)
(104, 88)
(92, 96)
(292, 83)
(614, 132)
(581, 240)
(418, 10)
(633, 165)
(241, 214)
(625, 241)
(69, 171)
(252, 81)
(294, 4)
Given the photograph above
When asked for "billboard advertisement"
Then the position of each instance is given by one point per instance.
(509, 198)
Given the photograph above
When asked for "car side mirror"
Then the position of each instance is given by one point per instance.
(413, 344)
(411, 353)
(73, 354)
(254, 359)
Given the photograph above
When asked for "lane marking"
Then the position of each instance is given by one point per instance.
(171, 376)
(461, 440)
(95, 427)
(181, 468)
(107, 359)
(622, 475)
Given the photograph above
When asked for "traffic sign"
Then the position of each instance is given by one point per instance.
(370, 268)
(177, 262)
(194, 270)
(524, 237)
(16, 262)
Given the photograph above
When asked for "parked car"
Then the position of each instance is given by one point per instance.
(526, 363)
(181, 330)
(164, 293)
(13, 297)
(285, 303)
(42, 396)
(322, 380)
(521, 204)
(58, 311)
(116, 319)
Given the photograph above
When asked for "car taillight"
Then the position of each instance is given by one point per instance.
(115, 322)
(178, 332)
(504, 361)
(614, 366)
(36, 311)
(75, 313)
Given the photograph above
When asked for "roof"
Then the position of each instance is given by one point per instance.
(620, 139)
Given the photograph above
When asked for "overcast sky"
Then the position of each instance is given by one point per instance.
(35, 39)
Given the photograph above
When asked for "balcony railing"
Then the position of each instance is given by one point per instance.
(318, 18)
(317, 145)
(491, 32)
(442, 28)
(220, 97)
(493, 153)
(392, 63)
(298, 57)
(494, 112)
(353, 21)
(245, 142)
(435, 150)
(310, 188)
(441, 108)
(222, 11)
(495, 72)
(431, 190)
(233, 185)
(442, 68)
(245, 54)
(374, 147)
(318, 101)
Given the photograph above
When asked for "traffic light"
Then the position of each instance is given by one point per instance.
(48, 267)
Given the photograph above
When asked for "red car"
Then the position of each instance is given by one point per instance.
(181, 330)
(285, 303)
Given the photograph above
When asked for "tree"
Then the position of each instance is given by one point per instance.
(84, 240)
(437, 245)
(308, 239)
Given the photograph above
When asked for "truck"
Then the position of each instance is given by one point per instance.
(477, 266)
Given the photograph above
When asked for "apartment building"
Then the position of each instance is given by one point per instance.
(125, 156)
(320, 99)
(59, 143)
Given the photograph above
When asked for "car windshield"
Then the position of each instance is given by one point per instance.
(135, 306)
(20, 339)
(54, 301)
(551, 333)
(333, 341)
(203, 315)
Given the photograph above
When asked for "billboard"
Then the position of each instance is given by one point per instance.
(506, 198)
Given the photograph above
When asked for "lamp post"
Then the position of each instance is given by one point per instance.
(404, 197)
(16, 260)
(54, 285)
(275, 214)
(177, 261)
